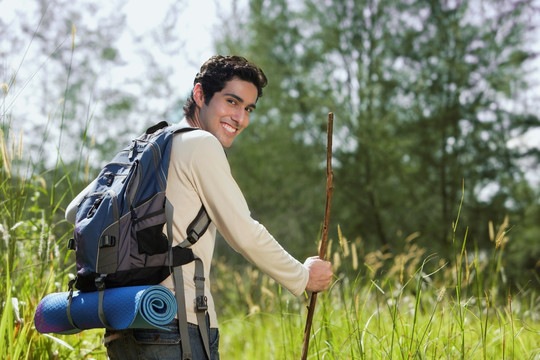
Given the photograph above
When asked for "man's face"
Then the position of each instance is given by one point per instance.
(227, 113)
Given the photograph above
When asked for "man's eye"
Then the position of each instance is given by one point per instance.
(249, 110)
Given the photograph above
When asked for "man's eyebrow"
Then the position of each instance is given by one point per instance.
(253, 106)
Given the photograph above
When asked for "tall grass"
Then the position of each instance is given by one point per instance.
(34, 261)
(33, 238)
(403, 306)
(411, 305)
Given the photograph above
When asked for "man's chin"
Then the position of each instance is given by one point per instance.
(226, 143)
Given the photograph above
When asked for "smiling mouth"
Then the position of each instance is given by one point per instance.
(229, 128)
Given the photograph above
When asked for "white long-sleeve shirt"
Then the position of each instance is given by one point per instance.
(199, 173)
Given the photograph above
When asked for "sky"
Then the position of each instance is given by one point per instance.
(198, 18)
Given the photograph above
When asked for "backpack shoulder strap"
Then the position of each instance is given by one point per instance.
(200, 298)
(200, 223)
(174, 128)
(156, 127)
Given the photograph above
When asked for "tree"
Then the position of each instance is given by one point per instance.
(421, 93)
(467, 59)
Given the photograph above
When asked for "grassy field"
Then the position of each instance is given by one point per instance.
(411, 305)
(421, 308)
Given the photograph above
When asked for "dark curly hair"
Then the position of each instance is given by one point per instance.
(217, 71)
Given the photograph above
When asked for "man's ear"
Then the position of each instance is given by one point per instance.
(198, 95)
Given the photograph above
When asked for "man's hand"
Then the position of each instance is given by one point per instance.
(320, 274)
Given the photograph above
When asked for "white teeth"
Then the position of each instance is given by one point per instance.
(228, 128)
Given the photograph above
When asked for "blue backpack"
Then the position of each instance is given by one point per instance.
(119, 237)
(123, 230)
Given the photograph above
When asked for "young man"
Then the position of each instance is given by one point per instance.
(224, 95)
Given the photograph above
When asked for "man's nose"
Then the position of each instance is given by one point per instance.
(241, 116)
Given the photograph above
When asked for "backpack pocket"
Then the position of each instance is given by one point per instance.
(150, 239)
(149, 228)
(96, 238)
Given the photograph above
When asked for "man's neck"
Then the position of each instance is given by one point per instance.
(193, 121)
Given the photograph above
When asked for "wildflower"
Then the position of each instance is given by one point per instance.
(16, 312)
(440, 296)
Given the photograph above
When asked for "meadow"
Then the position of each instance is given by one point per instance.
(410, 305)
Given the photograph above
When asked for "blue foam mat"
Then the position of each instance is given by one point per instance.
(125, 307)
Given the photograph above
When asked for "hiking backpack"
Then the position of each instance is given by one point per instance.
(122, 221)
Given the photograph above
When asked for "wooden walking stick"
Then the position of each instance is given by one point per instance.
(324, 238)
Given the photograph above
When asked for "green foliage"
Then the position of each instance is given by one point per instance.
(420, 92)
(34, 262)
(382, 305)
(408, 305)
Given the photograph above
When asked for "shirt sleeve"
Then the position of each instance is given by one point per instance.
(227, 207)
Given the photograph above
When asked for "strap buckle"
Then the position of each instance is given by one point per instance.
(201, 303)
(100, 282)
(71, 283)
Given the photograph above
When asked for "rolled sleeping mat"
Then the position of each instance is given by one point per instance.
(134, 307)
